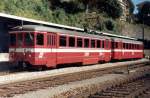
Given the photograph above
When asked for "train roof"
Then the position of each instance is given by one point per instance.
(127, 40)
(115, 35)
(55, 30)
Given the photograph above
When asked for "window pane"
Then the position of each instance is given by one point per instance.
(98, 44)
(62, 41)
(86, 43)
(20, 40)
(79, 42)
(71, 41)
(123, 45)
(40, 39)
(92, 43)
(29, 39)
(12, 39)
(102, 44)
(48, 40)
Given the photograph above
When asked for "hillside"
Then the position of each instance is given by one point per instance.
(67, 12)
(104, 15)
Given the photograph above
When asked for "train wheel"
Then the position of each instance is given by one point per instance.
(41, 68)
(21, 65)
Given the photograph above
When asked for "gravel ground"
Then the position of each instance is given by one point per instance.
(36, 75)
(88, 86)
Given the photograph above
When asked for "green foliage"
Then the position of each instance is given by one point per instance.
(109, 25)
(111, 7)
(67, 12)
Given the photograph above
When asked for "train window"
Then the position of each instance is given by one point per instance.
(29, 39)
(102, 44)
(86, 43)
(124, 45)
(48, 39)
(116, 44)
(135, 46)
(79, 42)
(53, 40)
(20, 40)
(12, 39)
(129, 46)
(40, 39)
(98, 43)
(71, 41)
(92, 43)
(62, 41)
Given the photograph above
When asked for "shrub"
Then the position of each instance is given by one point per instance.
(109, 24)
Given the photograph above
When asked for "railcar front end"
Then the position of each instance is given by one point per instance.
(25, 47)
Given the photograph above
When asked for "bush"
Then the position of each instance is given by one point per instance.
(109, 24)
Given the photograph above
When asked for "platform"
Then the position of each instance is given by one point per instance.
(24, 76)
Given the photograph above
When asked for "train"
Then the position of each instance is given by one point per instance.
(47, 47)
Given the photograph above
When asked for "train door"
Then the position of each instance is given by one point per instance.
(107, 48)
(121, 49)
(112, 49)
(51, 45)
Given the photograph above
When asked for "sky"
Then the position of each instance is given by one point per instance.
(137, 2)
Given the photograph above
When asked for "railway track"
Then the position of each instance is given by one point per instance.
(18, 69)
(9, 90)
(138, 88)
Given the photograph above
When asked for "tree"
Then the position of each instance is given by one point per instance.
(144, 12)
(111, 7)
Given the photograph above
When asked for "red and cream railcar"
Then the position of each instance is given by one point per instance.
(116, 49)
(132, 49)
(126, 49)
(46, 46)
